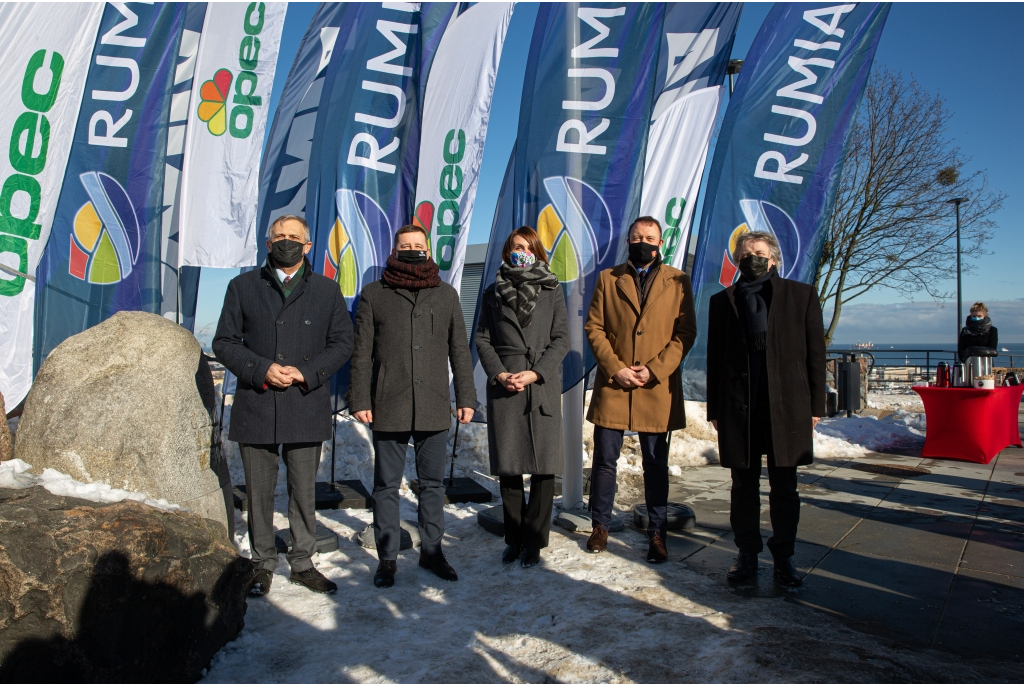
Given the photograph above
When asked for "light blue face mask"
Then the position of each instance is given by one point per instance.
(522, 260)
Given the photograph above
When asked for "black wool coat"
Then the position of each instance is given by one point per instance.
(311, 330)
(969, 338)
(796, 374)
(404, 342)
(524, 429)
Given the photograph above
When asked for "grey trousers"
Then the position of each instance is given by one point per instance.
(302, 459)
(388, 468)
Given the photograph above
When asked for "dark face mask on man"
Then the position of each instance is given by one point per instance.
(753, 267)
(642, 253)
(411, 256)
(286, 253)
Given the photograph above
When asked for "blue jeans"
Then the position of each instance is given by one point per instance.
(654, 448)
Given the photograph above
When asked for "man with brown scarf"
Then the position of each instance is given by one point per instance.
(408, 329)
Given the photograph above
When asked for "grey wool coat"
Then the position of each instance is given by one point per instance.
(524, 429)
(404, 342)
(311, 330)
(796, 373)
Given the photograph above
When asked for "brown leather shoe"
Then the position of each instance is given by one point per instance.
(657, 552)
(598, 541)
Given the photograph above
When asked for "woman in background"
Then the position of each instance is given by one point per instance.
(522, 336)
(979, 331)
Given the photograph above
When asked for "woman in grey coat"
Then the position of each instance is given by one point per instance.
(521, 338)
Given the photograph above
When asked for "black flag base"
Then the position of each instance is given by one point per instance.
(342, 494)
(459, 491)
(680, 517)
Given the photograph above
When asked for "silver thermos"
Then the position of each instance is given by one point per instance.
(957, 375)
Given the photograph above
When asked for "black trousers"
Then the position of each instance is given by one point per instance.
(607, 447)
(527, 523)
(783, 503)
(388, 468)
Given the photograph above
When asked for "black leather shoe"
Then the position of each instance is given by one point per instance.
(531, 557)
(385, 575)
(786, 574)
(438, 565)
(261, 583)
(314, 580)
(745, 566)
(511, 553)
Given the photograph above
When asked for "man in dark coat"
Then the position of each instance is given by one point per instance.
(978, 332)
(766, 393)
(409, 328)
(284, 330)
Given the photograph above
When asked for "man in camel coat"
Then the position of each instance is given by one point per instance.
(640, 326)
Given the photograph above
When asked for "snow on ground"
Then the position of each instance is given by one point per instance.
(909, 401)
(576, 617)
(900, 431)
(15, 474)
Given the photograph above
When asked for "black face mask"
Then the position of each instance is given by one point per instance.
(642, 253)
(286, 253)
(411, 256)
(753, 267)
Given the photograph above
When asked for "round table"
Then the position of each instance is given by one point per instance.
(969, 423)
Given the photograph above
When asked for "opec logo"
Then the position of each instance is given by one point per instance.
(106, 235)
(213, 95)
(764, 217)
(350, 247)
(570, 227)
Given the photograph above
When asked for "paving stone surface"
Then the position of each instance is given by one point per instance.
(928, 554)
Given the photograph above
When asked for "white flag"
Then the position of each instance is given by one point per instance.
(677, 148)
(45, 49)
(224, 139)
(456, 109)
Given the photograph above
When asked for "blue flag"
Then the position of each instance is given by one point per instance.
(106, 246)
(783, 142)
(285, 167)
(577, 168)
(365, 147)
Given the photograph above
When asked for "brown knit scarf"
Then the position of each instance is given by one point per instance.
(411, 276)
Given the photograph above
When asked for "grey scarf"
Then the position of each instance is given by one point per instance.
(519, 288)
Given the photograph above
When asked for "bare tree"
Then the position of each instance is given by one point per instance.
(891, 226)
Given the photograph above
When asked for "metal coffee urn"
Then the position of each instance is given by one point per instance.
(978, 364)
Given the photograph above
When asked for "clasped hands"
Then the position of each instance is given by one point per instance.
(283, 376)
(517, 382)
(632, 376)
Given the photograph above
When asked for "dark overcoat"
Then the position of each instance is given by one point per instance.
(311, 330)
(524, 429)
(796, 373)
(404, 342)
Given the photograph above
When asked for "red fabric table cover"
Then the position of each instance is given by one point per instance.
(968, 423)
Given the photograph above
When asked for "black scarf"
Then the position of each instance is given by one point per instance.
(519, 288)
(979, 327)
(754, 311)
(411, 276)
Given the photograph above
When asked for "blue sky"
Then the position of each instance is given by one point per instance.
(967, 52)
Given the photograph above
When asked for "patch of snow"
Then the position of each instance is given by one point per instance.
(15, 474)
(893, 400)
(903, 430)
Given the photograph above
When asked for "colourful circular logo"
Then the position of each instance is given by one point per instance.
(350, 254)
(106, 235)
(570, 227)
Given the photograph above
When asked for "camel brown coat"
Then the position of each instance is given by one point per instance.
(623, 335)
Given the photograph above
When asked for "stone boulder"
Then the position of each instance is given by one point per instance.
(118, 592)
(130, 403)
(6, 446)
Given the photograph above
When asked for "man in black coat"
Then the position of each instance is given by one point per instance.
(766, 393)
(409, 328)
(283, 332)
